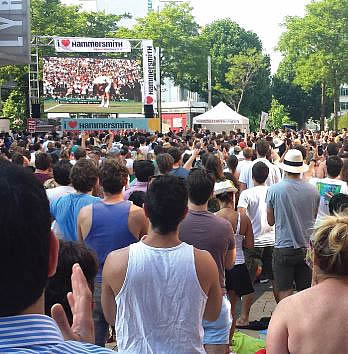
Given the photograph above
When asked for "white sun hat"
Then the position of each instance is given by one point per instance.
(293, 162)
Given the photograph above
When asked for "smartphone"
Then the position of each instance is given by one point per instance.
(320, 150)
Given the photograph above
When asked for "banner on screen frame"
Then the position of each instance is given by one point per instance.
(91, 45)
(149, 94)
(68, 124)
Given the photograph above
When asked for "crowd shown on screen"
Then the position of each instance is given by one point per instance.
(75, 77)
(165, 233)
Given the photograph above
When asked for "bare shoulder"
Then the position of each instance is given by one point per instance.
(86, 211)
(118, 257)
(204, 261)
(136, 211)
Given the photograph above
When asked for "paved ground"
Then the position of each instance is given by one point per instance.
(263, 306)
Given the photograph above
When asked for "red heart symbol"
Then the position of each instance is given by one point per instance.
(149, 100)
(65, 42)
(72, 124)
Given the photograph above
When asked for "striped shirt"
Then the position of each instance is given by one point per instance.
(38, 334)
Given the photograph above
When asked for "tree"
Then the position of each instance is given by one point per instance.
(240, 75)
(343, 121)
(183, 50)
(277, 116)
(225, 40)
(317, 45)
(301, 104)
(15, 109)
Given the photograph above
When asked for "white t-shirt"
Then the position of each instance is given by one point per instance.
(243, 165)
(254, 201)
(129, 163)
(144, 149)
(324, 186)
(246, 176)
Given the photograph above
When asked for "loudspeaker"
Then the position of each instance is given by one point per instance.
(35, 110)
(148, 111)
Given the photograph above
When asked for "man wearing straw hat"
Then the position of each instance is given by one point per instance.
(292, 206)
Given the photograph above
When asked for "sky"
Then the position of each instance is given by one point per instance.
(260, 16)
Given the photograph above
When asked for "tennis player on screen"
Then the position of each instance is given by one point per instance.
(102, 86)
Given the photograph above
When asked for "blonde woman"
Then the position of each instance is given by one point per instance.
(315, 320)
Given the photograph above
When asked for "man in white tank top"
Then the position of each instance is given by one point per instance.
(162, 287)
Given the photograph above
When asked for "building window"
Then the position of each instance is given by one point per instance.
(344, 91)
(344, 106)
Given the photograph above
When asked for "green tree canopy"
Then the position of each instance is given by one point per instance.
(240, 75)
(301, 104)
(277, 116)
(317, 45)
(226, 39)
(183, 50)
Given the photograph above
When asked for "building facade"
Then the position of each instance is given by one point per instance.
(344, 99)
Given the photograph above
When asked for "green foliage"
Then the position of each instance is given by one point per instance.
(343, 121)
(240, 75)
(301, 104)
(277, 116)
(183, 51)
(15, 109)
(317, 46)
(226, 39)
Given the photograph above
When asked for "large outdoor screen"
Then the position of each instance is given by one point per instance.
(91, 85)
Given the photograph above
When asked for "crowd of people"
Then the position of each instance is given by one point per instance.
(79, 78)
(165, 233)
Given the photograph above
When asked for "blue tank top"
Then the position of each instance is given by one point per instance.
(109, 231)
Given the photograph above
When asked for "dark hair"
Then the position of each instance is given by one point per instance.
(158, 149)
(112, 176)
(25, 225)
(344, 172)
(42, 161)
(175, 154)
(17, 159)
(36, 146)
(332, 149)
(165, 163)
(143, 170)
(262, 147)
(80, 153)
(84, 175)
(200, 186)
(302, 149)
(60, 284)
(232, 162)
(166, 202)
(214, 166)
(142, 140)
(138, 198)
(61, 172)
(334, 166)
(338, 203)
(260, 172)
(54, 158)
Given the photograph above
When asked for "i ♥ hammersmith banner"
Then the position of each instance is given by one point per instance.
(93, 124)
(149, 95)
(91, 45)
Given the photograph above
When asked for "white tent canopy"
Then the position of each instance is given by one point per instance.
(222, 117)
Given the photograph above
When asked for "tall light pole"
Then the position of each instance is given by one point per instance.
(209, 82)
